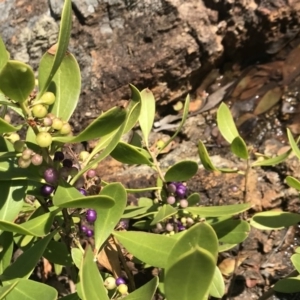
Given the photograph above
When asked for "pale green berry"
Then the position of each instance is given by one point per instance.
(48, 98)
(14, 137)
(44, 139)
(123, 289)
(66, 129)
(26, 154)
(110, 283)
(19, 146)
(57, 124)
(22, 163)
(39, 111)
(83, 155)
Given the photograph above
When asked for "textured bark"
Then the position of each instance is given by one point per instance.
(166, 45)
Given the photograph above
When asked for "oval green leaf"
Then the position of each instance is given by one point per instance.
(239, 148)
(288, 285)
(217, 288)
(193, 199)
(4, 57)
(226, 124)
(131, 155)
(204, 157)
(296, 261)
(57, 253)
(150, 248)
(182, 171)
(165, 211)
(272, 161)
(293, 182)
(17, 80)
(146, 292)
(293, 143)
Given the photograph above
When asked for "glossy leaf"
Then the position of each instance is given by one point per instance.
(91, 282)
(239, 148)
(273, 160)
(77, 257)
(131, 155)
(296, 261)
(293, 182)
(65, 85)
(288, 285)
(269, 220)
(108, 219)
(215, 211)
(183, 119)
(147, 113)
(217, 287)
(4, 57)
(7, 288)
(146, 292)
(193, 199)
(6, 127)
(7, 245)
(60, 48)
(226, 124)
(104, 124)
(30, 290)
(23, 266)
(293, 143)
(204, 157)
(192, 259)
(182, 171)
(69, 197)
(150, 248)
(57, 253)
(17, 80)
(232, 231)
(226, 247)
(165, 211)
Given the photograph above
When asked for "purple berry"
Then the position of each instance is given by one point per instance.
(59, 156)
(67, 163)
(124, 223)
(171, 200)
(120, 280)
(91, 215)
(83, 228)
(181, 228)
(82, 191)
(91, 173)
(172, 188)
(181, 191)
(51, 175)
(46, 190)
(89, 233)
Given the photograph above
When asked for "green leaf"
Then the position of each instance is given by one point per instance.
(296, 261)
(11, 201)
(108, 219)
(23, 266)
(62, 45)
(272, 161)
(204, 157)
(231, 231)
(293, 143)
(146, 292)
(147, 113)
(131, 155)
(226, 247)
(57, 253)
(104, 124)
(165, 211)
(217, 288)
(6, 245)
(293, 182)
(91, 282)
(269, 220)
(288, 285)
(7, 288)
(239, 148)
(150, 248)
(192, 259)
(182, 171)
(77, 256)
(193, 199)
(69, 197)
(4, 57)
(17, 80)
(65, 85)
(183, 119)
(29, 290)
(6, 127)
(226, 124)
(215, 211)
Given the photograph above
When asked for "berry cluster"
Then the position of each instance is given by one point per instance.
(176, 194)
(118, 284)
(27, 157)
(90, 216)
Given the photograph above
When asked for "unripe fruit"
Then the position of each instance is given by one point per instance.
(48, 98)
(51, 175)
(36, 160)
(73, 171)
(57, 124)
(13, 137)
(110, 283)
(123, 289)
(169, 227)
(44, 139)
(172, 188)
(47, 121)
(46, 190)
(79, 183)
(39, 111)
(183, 203)
(65, 129)
(19, 146)
(91, 173)
(171, 200)
(91, 215)
(64, 173)
(22, 163)
(27, 153)
(7, 118)
(83, 155)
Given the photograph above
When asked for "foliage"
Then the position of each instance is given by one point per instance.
(173, 231)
